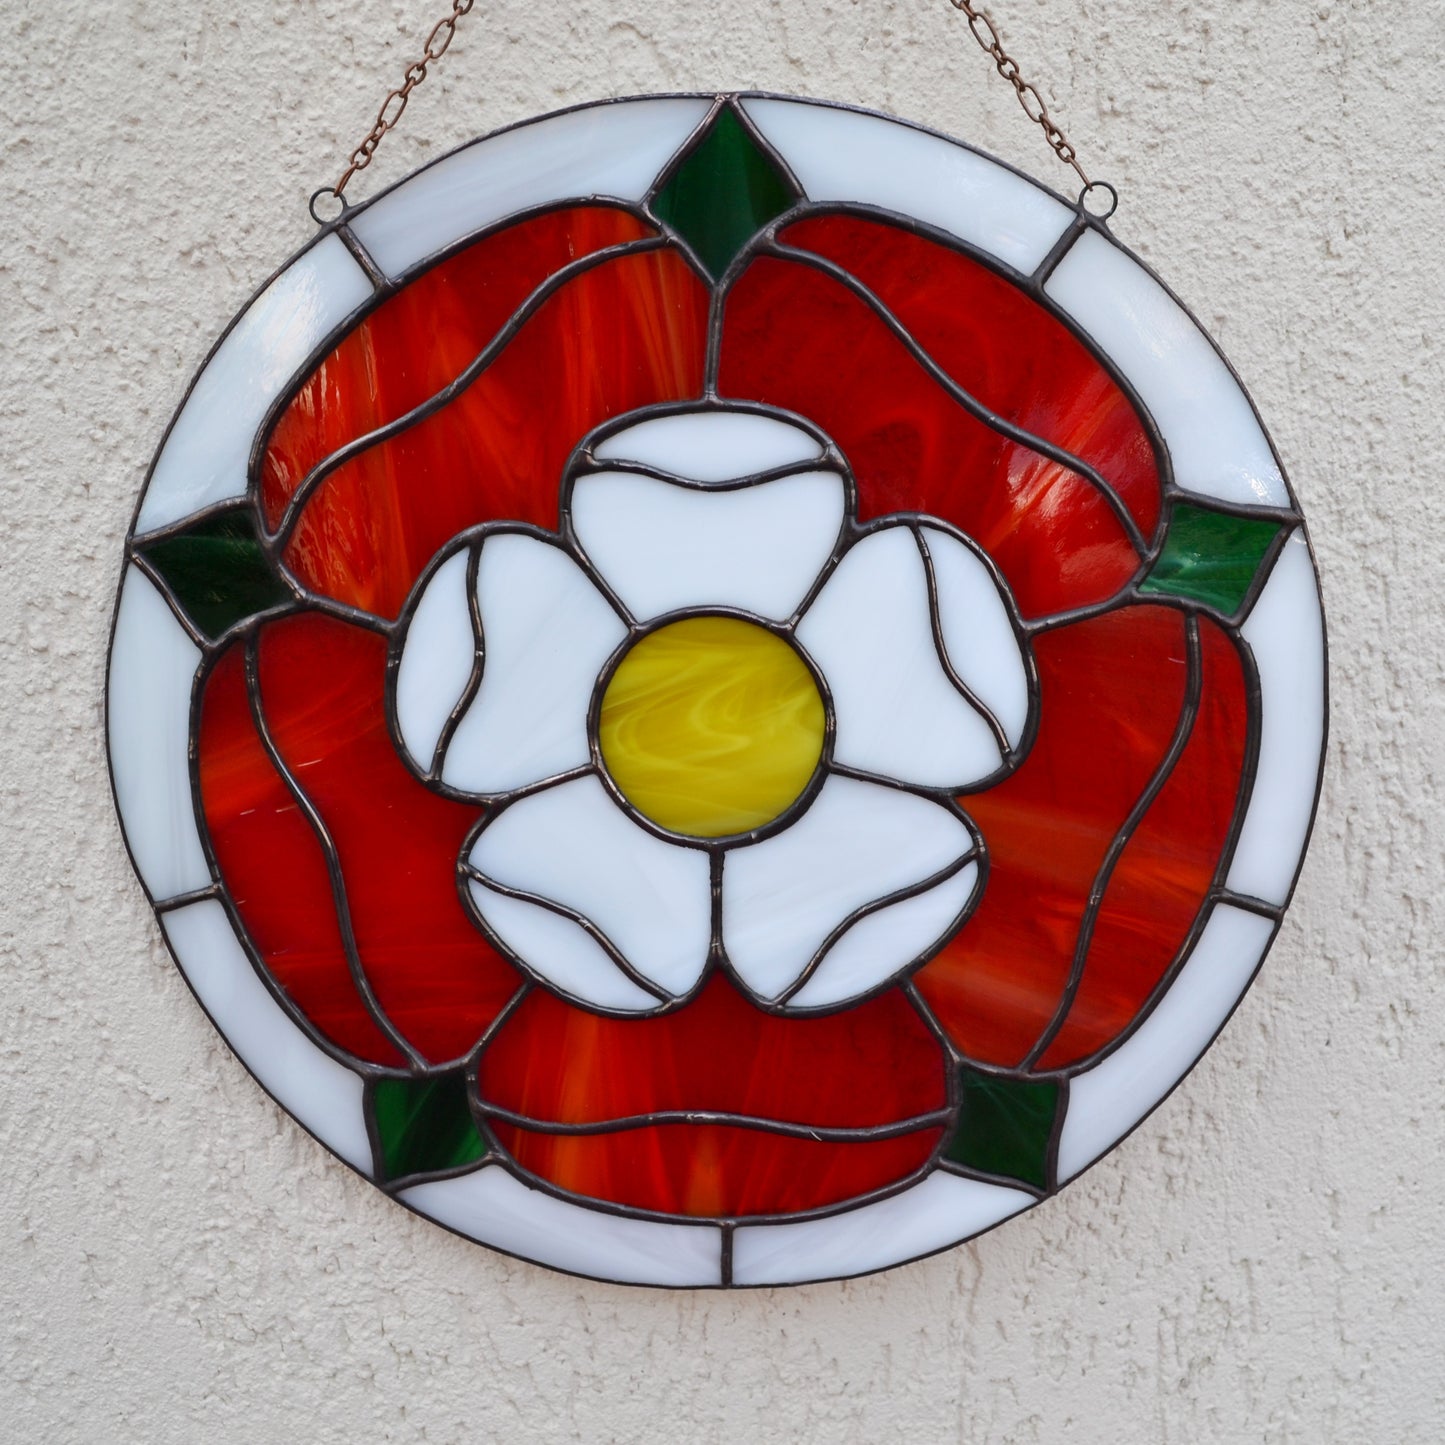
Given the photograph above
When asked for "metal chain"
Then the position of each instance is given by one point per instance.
(980, 24)
(395, 103)
(986, 33)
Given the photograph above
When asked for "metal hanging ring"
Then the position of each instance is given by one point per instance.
(1092, 189)
(336, 196)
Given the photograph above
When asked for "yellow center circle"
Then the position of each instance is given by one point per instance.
(711, 726)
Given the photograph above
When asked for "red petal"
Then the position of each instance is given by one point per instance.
(275, 871)
(1001, 345)
(1166, 870)
(798, 339)
(715, 1170)
(425, 336)
(433, 973)
(627, 333)
(871, 1065)
(1111, 690)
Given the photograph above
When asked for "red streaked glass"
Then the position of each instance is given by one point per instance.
(1111, 690)
(424, 336)
(711, 1170)
(799, 339)
(628, 333)
(275, 870)
(1167, 867)
(1001, 345)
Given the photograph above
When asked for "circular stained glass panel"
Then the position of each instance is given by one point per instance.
(717, 690)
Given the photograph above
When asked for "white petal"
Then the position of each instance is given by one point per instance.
(891, 937)
(712, 445)
(897, 713)
(437, 659)
(858, 843)
(573, 846)
(546, 632)
(661, 546)
(978, 631)
(561, 951)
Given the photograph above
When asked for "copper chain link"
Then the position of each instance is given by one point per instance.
(986, 33)
(395, 103)
(979, 23)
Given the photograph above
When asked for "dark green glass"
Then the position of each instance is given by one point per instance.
(1210, 557)
(424, 1126)
(1005, 1127)
(724, 192)
(218, 572)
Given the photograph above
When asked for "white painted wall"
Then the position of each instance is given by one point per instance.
(1260, 1262)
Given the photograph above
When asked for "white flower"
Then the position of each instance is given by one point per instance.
(715, 721)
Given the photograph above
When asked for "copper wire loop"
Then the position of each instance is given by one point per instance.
(986, 33)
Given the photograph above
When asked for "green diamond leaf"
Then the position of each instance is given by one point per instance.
(1210, 557)
(1005, 1127)
(424, 1125)
(217, 571)
(724, 192)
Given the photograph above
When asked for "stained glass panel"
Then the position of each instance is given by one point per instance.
(717, 691)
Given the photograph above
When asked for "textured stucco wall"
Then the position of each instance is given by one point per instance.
(1260, 1262)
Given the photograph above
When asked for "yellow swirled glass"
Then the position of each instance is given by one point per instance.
(711, 726)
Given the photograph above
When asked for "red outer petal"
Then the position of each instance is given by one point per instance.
(433, 973)
(1111, 691)
(998, 343)
(275, 871)
(1165, 872)
(801, 340)
(628, 333)
(878, 1063)
(424, 336)
(716, 1170)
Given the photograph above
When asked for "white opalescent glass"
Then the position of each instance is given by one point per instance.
(1286, 633)
(437, 659)
(978, 632)
(206, 454)
(546, 632)
(492, 1206)
(573, 845)
(940, 1211)
(152, 669)
(1214, 438)
(892, 938)
(711, 446)
(613, 151)
(871, 633)
(840, 155)
(560, 951)
(308, 1083)
(859, 842)
(1107, 1101)
(661, 546)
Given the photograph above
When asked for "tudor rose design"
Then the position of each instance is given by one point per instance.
(717, 690)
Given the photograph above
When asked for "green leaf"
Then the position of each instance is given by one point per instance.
(217, 571)
(1005, 1127)
(724, 192)
(424, 1125)
(1210, 557)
